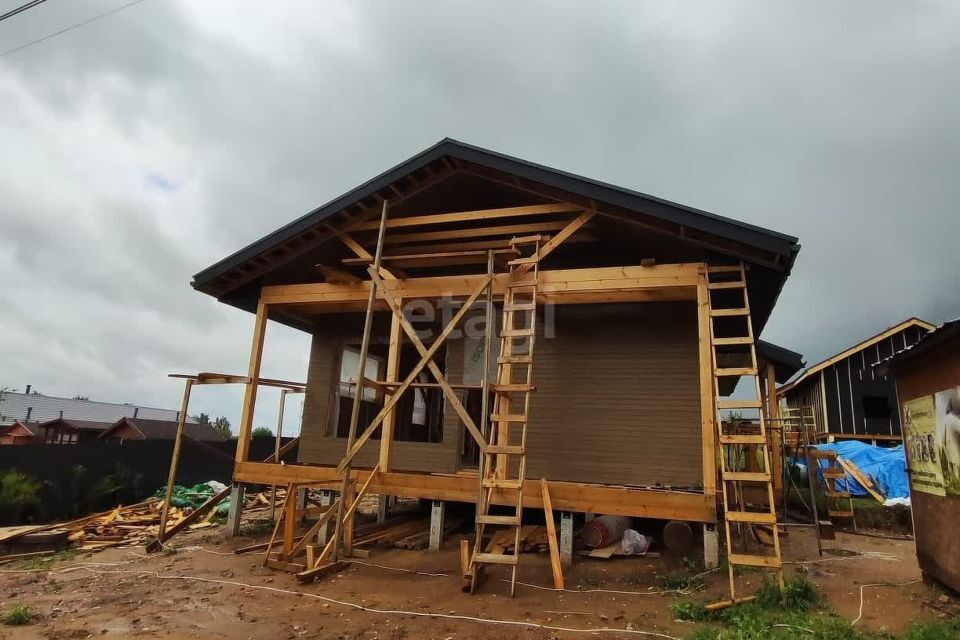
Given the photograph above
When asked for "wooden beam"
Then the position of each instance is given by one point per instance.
(183, 523)
(174, 460)
(708, 412)
(776, 433)
(358, 249)
(499, 243)
(557, 283)
(559, 239)
(253, 375)
(392, 374)
(483, 232)
(566, 496)
(551, 536)
(467, 216)
(337, 276)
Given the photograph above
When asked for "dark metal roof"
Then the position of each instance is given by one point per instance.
(786, 363)
(167, 430)
(727, 228)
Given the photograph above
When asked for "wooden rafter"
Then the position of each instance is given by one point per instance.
(549, 247)
(357, 248)
(505, 231)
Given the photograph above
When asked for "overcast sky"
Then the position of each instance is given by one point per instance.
(143, 147)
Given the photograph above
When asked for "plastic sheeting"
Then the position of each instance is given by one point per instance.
(886, 465)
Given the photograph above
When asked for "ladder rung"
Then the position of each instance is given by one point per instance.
(505, 449)
(516, 333)
(840, 514)
(732, 268)
(836, 494)
(753, 561)
(746, 476)
(518, 284)
(721, 313)
(723, 342)
(508, 417)
(519, 306)
(510, 388)
(750, 516)
(524, 359)
(835, 475)
(510, 521)
(501, 483)
(496, 558)
(747, 403)
(736, 371)
(524, 260)
(734, 284)
(742, 439)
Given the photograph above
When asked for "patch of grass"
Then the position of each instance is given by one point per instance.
(936, 630)
(41, 563)
(18, 614)
(799, 594)
(589, 580)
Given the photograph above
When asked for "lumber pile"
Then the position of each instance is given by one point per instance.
(401, 533)
(533, 539)
(134, 524)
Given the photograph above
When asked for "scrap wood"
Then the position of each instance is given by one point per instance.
(865, 481)
(555, 564)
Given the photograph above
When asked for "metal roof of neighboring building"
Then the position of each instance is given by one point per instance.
(167, 430)
(43, 408)
(938, 337)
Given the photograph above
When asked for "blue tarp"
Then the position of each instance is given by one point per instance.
(887, 467)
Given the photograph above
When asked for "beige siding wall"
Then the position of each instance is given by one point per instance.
(617, 399)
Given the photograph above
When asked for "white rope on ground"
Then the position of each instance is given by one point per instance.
(626, 593)
(392, 612)
(874, 555)
(878, 584)
(383, 566)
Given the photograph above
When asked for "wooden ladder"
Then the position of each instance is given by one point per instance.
(505, 453)
(734, 357)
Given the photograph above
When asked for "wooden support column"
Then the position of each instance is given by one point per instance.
(776, 433)
(708, 413)
(392, 375)
(174, 459)
(253, 375)
(437, 514)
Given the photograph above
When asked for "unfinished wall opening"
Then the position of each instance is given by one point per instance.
(876, 408)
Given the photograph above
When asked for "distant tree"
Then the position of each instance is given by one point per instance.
(222, 426)
(80, 397)
(262, 432)
(202, 418)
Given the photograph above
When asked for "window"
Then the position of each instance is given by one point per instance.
(372, 399)
(876, 408)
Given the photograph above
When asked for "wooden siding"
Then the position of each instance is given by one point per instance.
(617, 397)
(848, 381)
(617, 400)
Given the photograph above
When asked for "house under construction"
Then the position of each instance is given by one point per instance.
(491, 331)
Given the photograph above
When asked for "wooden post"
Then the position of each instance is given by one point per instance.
(253, 375)
(276, 454)
(708, 413)
(290, 521)
(175, 458)
(776, 432)
(392, 375)
(358, 396)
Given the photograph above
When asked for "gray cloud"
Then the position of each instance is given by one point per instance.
(833, 122)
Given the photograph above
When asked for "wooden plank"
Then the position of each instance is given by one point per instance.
(484, 232)
(392, 375)
(309, 575)
(253, 375)
(174, 461)
(555, 565)
(206, 507)
(862, 478)
(708, 414)
(558, 239)
(358, 249)
(468, 216)
(567, 496)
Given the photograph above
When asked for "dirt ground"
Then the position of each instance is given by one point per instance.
(205, 591)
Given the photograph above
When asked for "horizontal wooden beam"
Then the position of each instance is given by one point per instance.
(566, 496)
(467, 216)
(560, 286)
(505, 231)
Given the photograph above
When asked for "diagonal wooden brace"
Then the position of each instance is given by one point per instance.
(425, 361)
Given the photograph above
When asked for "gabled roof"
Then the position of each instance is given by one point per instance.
(76, 425)
(166, 430)
(31, 427)
(785, 362)
(857, 348)
(43, 408)
(700, 225)
(944, 334)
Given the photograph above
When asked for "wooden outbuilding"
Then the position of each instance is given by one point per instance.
(927, 377)
(849, 398)
(145, 429)
(645, 314)
(20, 432)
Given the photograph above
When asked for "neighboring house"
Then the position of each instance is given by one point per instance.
(21, 433)
(72, 431)
(142, 429)
(622, 416)
(848, 397)
(36, 407)
(928, 386)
